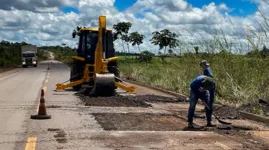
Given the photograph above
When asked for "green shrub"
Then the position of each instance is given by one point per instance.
(146, 56)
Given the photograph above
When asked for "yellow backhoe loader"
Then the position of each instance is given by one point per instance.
(95, 64)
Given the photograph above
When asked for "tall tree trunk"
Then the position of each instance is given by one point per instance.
(123, 49)
(163, 60)
(139, 50)
(128, 48)
(164, 50)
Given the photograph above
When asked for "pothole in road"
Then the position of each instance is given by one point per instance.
(158, 122)
(53, 129)
(167, 122)
(59, 94)
(53, 106)
(139, 121)
(60, 135)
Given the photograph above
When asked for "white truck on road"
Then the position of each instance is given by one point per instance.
(29, 55)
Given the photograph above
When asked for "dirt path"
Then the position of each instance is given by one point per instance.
(51, 55)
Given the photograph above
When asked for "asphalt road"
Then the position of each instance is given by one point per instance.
(19, 91)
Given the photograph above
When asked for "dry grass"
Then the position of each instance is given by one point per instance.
(239, 79)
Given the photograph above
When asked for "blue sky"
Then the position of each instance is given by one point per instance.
(123, 4)
(239, 7)
(69, 9)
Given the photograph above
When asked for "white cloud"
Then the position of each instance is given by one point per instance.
(49, 9)
(223, 6)
(44, 24)
(36, 5)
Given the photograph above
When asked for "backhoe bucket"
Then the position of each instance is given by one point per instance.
(104, 85)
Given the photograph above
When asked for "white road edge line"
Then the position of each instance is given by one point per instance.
(8, 76)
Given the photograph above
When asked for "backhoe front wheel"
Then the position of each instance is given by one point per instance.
(74, 76)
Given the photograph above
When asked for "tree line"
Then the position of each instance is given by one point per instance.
(164, 39)
(167, 41)
(10, 53)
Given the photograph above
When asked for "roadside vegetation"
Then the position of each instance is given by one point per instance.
(10, 54)
(240, 79)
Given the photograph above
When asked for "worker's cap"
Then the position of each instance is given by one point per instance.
(208, 82)
(204, 62)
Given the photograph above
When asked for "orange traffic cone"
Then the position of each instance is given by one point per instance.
(42, 113)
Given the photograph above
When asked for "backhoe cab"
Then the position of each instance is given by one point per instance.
(95, 64)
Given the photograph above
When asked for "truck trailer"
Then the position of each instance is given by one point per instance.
(29, 55)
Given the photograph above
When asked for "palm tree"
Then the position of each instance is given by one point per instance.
(121, 32)
(136, 39)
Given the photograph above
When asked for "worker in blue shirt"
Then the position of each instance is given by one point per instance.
(207, 72)
(199, 90)
(206, 68)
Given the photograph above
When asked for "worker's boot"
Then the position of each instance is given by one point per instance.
(209, 124)
(190, 125)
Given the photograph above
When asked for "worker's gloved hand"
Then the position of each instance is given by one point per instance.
(201, 89)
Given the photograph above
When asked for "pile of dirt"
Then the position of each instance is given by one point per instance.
(259, 107)
(124, 101)
(227, 112)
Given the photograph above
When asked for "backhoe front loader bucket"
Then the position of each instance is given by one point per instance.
(104, 85)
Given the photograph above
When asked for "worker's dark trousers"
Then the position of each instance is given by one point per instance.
(194, 96)
(212, 95)
(211, 98)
